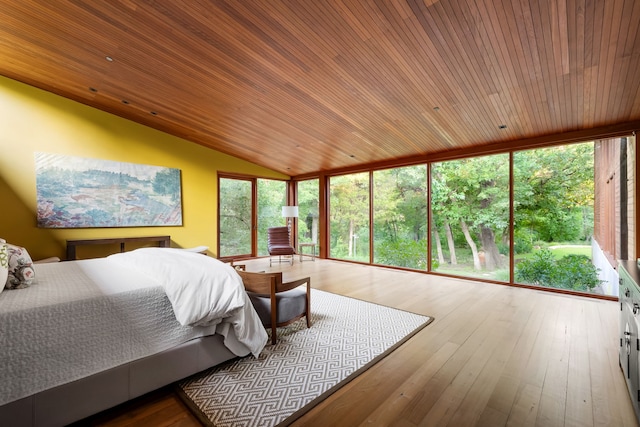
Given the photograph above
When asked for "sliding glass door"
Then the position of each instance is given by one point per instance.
(235, 217)
(272, 196)
(247, 207)
(309, 212)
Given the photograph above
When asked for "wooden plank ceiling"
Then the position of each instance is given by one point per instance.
(307, 86)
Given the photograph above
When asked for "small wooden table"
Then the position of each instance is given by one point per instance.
(307, 245)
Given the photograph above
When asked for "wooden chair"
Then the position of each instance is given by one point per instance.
(279, 243)
(277, 303)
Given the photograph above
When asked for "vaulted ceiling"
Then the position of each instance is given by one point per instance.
(307, 86)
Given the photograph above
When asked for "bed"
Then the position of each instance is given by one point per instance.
(91, 334)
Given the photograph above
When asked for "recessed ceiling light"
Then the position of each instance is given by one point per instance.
(502, 126)
(108, 58)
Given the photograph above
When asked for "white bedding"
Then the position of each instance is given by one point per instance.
(84, 317)
(203, 291)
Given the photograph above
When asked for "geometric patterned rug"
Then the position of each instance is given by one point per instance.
(346, 337)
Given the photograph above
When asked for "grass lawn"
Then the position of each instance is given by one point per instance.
(560, 251)
(465, 263)
(563, 250)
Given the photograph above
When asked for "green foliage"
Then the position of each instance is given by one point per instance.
(474, 191)
(560, 225)
(400, 213)
(553, 201)
(576, 272)
(573, 272)
(235, 216)
(403, 253)
(349, 216)
(309, 210)
(523, 240)
(537, 270)
(553, 192)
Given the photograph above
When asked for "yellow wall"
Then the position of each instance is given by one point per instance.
(32, 120)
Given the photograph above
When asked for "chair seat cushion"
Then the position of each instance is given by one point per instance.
(290, 304)
(281, 250)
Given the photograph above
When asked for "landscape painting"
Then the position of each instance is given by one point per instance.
(77, 192)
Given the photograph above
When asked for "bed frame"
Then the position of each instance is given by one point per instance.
(79, 399)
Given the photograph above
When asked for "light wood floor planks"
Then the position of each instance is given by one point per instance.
(494, 356)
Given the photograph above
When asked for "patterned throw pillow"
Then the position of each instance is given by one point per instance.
(4, 263)
(21, 273)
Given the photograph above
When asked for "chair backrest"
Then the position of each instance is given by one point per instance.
(270, 283)
(261, 283)
(278, 236)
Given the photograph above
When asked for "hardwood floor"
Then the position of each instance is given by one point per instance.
(494, 356)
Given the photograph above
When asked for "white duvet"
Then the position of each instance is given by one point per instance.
(202, 290)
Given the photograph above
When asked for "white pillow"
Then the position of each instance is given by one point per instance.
(21, 273)
(4, 263)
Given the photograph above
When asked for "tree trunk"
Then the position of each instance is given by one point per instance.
(472, 245)
(452, 247)
(439, 247)
(491, 252)
(314, 230)
(351, 238)
(492, 258)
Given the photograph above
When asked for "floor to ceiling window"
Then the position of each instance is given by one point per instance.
(381, 216)
(400, 217)
(235, 217)
(553, 209)
(470, 217)
(349, 217)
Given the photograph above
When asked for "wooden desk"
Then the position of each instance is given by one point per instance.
(162, 241)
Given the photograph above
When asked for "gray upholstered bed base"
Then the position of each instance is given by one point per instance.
(79, 399)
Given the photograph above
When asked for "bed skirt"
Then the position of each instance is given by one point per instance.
(79, 399)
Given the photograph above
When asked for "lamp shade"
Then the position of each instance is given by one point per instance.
(290, 211)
